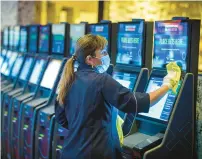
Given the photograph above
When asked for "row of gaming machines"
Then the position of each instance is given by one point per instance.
(33, 58)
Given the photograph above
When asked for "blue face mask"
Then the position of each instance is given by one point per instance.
(105, 64)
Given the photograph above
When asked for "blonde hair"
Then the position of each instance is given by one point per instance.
(86, 45)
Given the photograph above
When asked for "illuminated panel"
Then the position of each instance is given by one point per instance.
(5, 37)
(17, 66)
(58, 38)
(11, 37)
(162, 108)
(170, 43)
(16, 38)
(44, 36)
(26, 68)
(33, 35)
(128, 80)
(76, 31)
(100, 29)
(23, 39)
(38, 67)
(129, 50)
(51, 74)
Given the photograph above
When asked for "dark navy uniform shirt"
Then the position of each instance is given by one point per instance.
(87, 114)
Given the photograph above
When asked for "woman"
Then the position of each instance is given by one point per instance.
(85, 99)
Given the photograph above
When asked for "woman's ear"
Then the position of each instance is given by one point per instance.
(89, 60)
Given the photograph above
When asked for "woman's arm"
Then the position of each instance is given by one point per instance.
(155, 95)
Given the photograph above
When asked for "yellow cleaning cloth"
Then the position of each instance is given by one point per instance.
(173, 68)
(119, 122)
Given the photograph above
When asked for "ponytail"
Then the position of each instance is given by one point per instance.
(66, 80)
(85, 46)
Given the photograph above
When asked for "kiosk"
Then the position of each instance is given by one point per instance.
(168, 129)
(29, 109)
(133, 60)
(45, 119)
(30, 88)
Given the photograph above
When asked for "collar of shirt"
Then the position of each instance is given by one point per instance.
(84, 66)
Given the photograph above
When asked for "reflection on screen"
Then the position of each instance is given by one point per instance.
(44, 36)
(163, 107)
(16, 37)
(38, 67)
(23, 39)
(76, 31)
(26, 67)
(33, 33)
(170, 43)
(130, 44)
(5, 38)
(100, 29)
(11, 37)
(50, 74)
(128, 80)
(17, 66)
(58, 38)
(6, 62)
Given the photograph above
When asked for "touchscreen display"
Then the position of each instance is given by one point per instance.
(38, 67)
(17, 66)
(33, 35)
(23, 39)
(51, 74)
(44, 36)
(128, 80)
(16, 37)
(7, 65)
(58, 38)
(11, 37)
(26, 68)
(163, 107)
(5, 37)
(100, 29)
(170, 44)
(76, 31)
(2, 57)
(129, 49)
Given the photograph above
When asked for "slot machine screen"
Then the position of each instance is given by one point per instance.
(23, 39)
(76, 31)
(26, 68)
(16, 37)
(128, 80)
(170, 44)
(17, 66)
(5, 37)
(33, 36)
(102, 30)
(7, 65)
(58, 38)
(2, 57)
(162, 108)
(130, 41)
(51, 74)
(38, 67)
(44, 37)
(11, 37)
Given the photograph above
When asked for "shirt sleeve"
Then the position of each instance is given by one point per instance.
(122, 98)
(60, 116)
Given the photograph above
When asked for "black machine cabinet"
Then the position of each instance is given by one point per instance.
(171, 135)
(133, 60)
